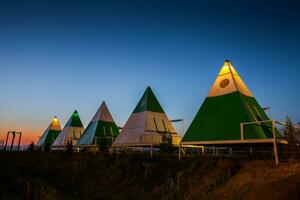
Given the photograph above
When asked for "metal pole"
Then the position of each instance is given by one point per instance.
(251, 151)
(20, 135)
(6, 140)
(275, 144)
(12, 141)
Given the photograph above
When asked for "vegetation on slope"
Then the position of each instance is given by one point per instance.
(36, 175)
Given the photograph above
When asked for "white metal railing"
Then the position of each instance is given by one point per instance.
(242, 125)
(273, 122)
(259, 123)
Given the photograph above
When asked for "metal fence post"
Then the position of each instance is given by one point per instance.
(275, 143)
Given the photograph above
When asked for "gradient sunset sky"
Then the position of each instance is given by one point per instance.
(58, 56)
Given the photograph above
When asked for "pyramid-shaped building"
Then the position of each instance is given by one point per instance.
(147, 125)
(102, 130)
(71, 132)
(50, 133)
(228, 104)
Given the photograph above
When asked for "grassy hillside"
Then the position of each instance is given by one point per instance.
(26, 175)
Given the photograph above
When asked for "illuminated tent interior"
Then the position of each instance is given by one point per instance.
(147, 125)
(50, 133)
(228, 104)
(102, 130)
(71, 132)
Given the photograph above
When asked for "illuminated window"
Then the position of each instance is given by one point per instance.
(224, 83)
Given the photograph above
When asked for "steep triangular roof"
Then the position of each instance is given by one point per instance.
(75, 120)
(228, 81)
(148, 102)
(102, 129)
(71, 132)
(50, 133)
(148, 124)
(228, 104)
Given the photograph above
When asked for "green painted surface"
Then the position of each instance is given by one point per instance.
(219, 118)
(48, 137)
(103, 131)
(75, 120)
(148, 102)
(51, 136)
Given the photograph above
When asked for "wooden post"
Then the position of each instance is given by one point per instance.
(242, 131)
(275, 144)
(112, 135)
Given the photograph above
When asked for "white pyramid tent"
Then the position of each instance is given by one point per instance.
(102, 130)
(147, 125)
(50, 133)
(228, 104)
(71, 132)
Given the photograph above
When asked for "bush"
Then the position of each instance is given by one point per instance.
(292, 135)
(69, 148)
(103, 145)
(47, 147)
(167, 145)
(31, 147)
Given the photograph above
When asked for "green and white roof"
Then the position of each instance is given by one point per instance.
(71, 132)
(50, 133)
(228, 104)
(148, 124)
(101, 130)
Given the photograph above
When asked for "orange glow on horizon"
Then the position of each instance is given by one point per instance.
(28, 135)
(31, 129)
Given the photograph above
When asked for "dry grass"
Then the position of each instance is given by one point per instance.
(137, 176)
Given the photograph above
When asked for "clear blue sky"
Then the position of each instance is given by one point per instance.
(58, 56)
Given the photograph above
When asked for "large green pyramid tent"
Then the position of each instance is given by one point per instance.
(71, 132)
(147, 125)
(228, 104)
(102, 130)
(50, 133)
